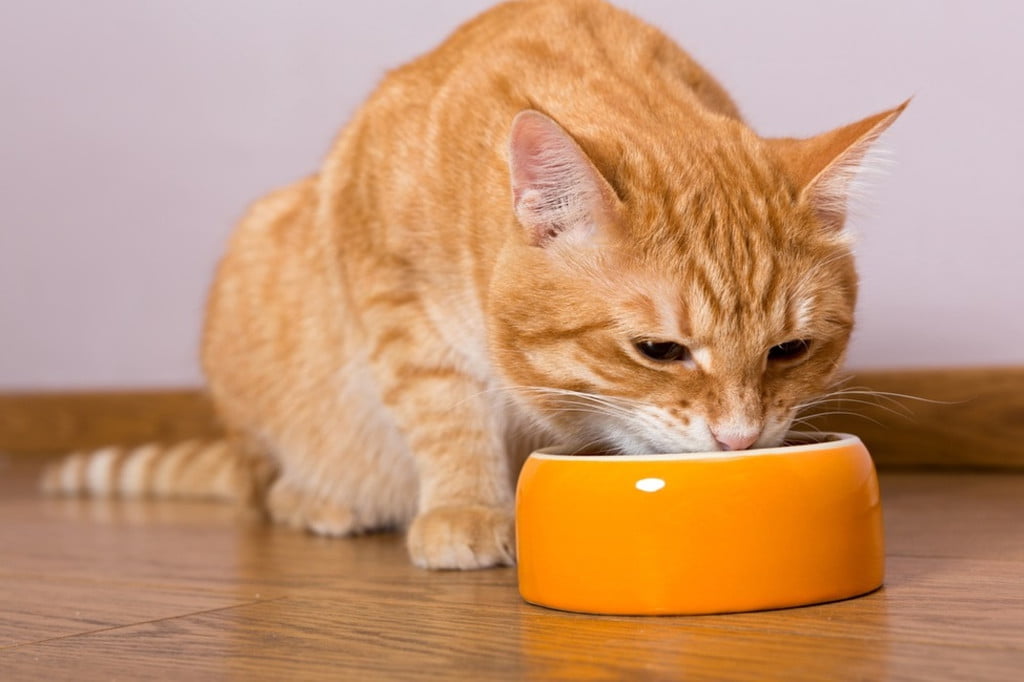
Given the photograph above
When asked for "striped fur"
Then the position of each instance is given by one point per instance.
(473, 271)
(193, 469)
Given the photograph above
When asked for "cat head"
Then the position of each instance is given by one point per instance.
(692, 297)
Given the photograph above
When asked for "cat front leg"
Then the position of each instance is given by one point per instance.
(465, 518)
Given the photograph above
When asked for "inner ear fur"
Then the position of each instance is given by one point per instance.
(823, 166)
(556, 188)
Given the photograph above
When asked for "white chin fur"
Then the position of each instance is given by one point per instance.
(694, 438)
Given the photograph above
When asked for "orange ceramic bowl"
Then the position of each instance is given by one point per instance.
(711, 532)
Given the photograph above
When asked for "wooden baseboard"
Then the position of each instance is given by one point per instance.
(44, 423)
(968, 418)
(958, 418)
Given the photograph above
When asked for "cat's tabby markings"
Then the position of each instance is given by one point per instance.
(553, 228)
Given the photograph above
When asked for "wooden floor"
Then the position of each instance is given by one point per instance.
(146, 590)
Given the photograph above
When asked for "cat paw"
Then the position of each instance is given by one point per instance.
(288, 505)
(330, 519)
(462, 538)
(284, 504)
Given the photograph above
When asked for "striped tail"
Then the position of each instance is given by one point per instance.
(195, 469)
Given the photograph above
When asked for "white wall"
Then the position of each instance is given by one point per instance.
(133, 133)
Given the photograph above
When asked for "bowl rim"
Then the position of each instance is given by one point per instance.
(827, 441)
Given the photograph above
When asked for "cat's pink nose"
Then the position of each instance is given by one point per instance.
(736, 440)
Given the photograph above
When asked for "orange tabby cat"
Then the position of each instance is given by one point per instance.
(553, 228)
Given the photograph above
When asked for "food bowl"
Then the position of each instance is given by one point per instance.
(698, 533)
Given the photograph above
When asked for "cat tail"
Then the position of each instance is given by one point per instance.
(210, 469)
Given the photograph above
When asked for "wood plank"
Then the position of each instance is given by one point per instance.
(34, 607)
(125, 590)
(975, 418)
(954, 514)
(187, 545)
(341, 639)
(949, 602)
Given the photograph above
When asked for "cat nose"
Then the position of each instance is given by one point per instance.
(736, 440)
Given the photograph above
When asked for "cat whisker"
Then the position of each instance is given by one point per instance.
(495, 389)
(580, 394)
(858, 394)
(575, 397)
(839, 381)
(586, 446)
(889, 396)
(901, 396)
(805, 419)
(587, 410)
(840, 401)
(811, 430)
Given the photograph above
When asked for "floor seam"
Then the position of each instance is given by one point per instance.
(184, 585)
(122, 626)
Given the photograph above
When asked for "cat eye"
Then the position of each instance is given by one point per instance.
(664, 351)
(790, 350)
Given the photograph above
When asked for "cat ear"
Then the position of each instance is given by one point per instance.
(556, 189)
(823, 166)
